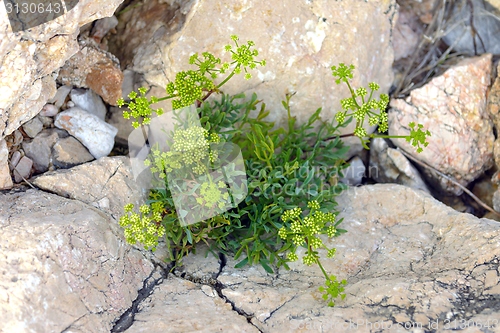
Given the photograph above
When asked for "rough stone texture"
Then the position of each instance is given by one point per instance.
(22, 169)
(123, 125)
(182, 306)
(388, 165)
(5, 178)
(408, 259)
(65, 266)
(453, 108)
(422, 8)
(89, 101)
(483, 37)
(39, 149)
(94, 68)
(102, 27)
(300, 44)
(95, 134)
(47, 122)
(496, 200)
(354, 173)
(494, 100)
(496, 152)
(14, 159)
(30, 57)
(69, 152)
(60, 97)
(33, 127)
(407, 34)
(106, 80)
(108, 177)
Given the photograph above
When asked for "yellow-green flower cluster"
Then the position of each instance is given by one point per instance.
(211, 195)
(313, 204)
(361, 92)
(139, 106)
(190, 149)
(342, 72)
(306, 229)
(348, 104)
(331, 253)
(291, 214)
(207, 65)
(192, 146)
(145, 227)
(188, 88)
(417, 137)
(292, 256)
(244, 56)
(310, 258)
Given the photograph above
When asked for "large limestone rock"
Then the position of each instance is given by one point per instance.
(412, 265)
(453, 108)
(64, 266)
(29, 58)
(299, 42)
(178, 305)
(107, 184)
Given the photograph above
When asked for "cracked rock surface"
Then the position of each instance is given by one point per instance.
(106, 183)
(64, 266)
(412, 265)
(178, 305)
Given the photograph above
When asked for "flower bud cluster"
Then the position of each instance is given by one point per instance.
(144, 228)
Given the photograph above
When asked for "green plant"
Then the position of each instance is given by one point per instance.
(288, 199)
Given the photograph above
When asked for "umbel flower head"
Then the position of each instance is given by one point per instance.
(305, 230)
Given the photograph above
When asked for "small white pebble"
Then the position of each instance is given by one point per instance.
(104, 203)
(49, 110)
(207, 290)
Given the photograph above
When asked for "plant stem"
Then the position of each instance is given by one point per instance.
(322, 269)
(389, 136)
(227, 78)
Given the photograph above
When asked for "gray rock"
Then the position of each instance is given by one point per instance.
(130, 83)
(69, 152)
(33, 127)
(39, 149)
(124, 126)
(60, 97)
(22, 169)
(486, 24)
(496, 200)
(49, 110)
(89, 101)
(354, 173)
(14, 159)
(92, 132)
(30, 58)
(494, 99)
(93, 68)
(453, 108)
(94, 181)
(423, 9)
(406, 257)
(407, 34)
(5, 178)
(65, 266)
(184, 306)
(102, 27)
(388, 165)
(300, 44)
